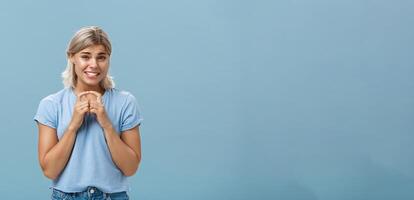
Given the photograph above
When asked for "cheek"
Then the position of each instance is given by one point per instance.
(104, 65)
(79, 63)
(104, 68)
(78, 70)
(79, 66)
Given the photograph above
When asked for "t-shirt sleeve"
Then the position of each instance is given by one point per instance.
(131, 115)
(47, 113)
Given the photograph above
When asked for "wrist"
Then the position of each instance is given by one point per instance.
(107, 127)
(72, 128)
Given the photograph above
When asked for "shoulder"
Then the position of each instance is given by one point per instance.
(121, 99)
(121, 95)
(56, 97)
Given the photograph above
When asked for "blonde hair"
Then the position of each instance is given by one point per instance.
(85, 37)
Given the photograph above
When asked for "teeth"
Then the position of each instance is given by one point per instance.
(92, 73)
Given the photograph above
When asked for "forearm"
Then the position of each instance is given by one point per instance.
(123, 156)
(56, 159)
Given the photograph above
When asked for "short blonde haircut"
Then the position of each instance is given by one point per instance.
(85, 37)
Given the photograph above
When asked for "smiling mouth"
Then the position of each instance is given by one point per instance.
(92, 74)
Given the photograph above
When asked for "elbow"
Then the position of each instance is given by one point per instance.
(129, 173)
(46, 172)
(133, 170)
(50, 175)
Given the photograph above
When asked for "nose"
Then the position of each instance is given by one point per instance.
(93, 63)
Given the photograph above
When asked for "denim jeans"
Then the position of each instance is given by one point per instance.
(91, 193)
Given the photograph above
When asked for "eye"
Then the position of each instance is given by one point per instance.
(102, 58)
(85, 57)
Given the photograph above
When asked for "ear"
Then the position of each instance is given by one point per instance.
(71, 58)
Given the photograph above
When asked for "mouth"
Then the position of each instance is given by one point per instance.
(90, 74)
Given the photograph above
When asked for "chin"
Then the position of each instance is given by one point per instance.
(92, 83)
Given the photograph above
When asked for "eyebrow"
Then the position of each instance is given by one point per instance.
(88, 53)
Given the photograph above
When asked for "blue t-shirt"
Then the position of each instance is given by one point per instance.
(90, 163)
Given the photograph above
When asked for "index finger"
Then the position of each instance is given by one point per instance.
(97, 94)
(82, 93)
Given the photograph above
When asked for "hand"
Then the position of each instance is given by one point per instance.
(81, 107)
(96, 107)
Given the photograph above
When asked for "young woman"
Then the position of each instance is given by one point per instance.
(89, 140)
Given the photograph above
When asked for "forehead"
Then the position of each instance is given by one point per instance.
(94, 49)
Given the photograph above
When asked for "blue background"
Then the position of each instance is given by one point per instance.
(246, 100)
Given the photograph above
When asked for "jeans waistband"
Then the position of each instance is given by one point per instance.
(90, 193)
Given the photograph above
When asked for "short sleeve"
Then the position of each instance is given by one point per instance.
(47, 113)
(131, 115)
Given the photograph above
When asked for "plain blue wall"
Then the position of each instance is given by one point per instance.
(246, 100)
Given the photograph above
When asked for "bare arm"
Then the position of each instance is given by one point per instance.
(54, 154)
(125, 150)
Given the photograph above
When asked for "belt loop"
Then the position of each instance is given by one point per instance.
(91, 191)
(107, 196)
